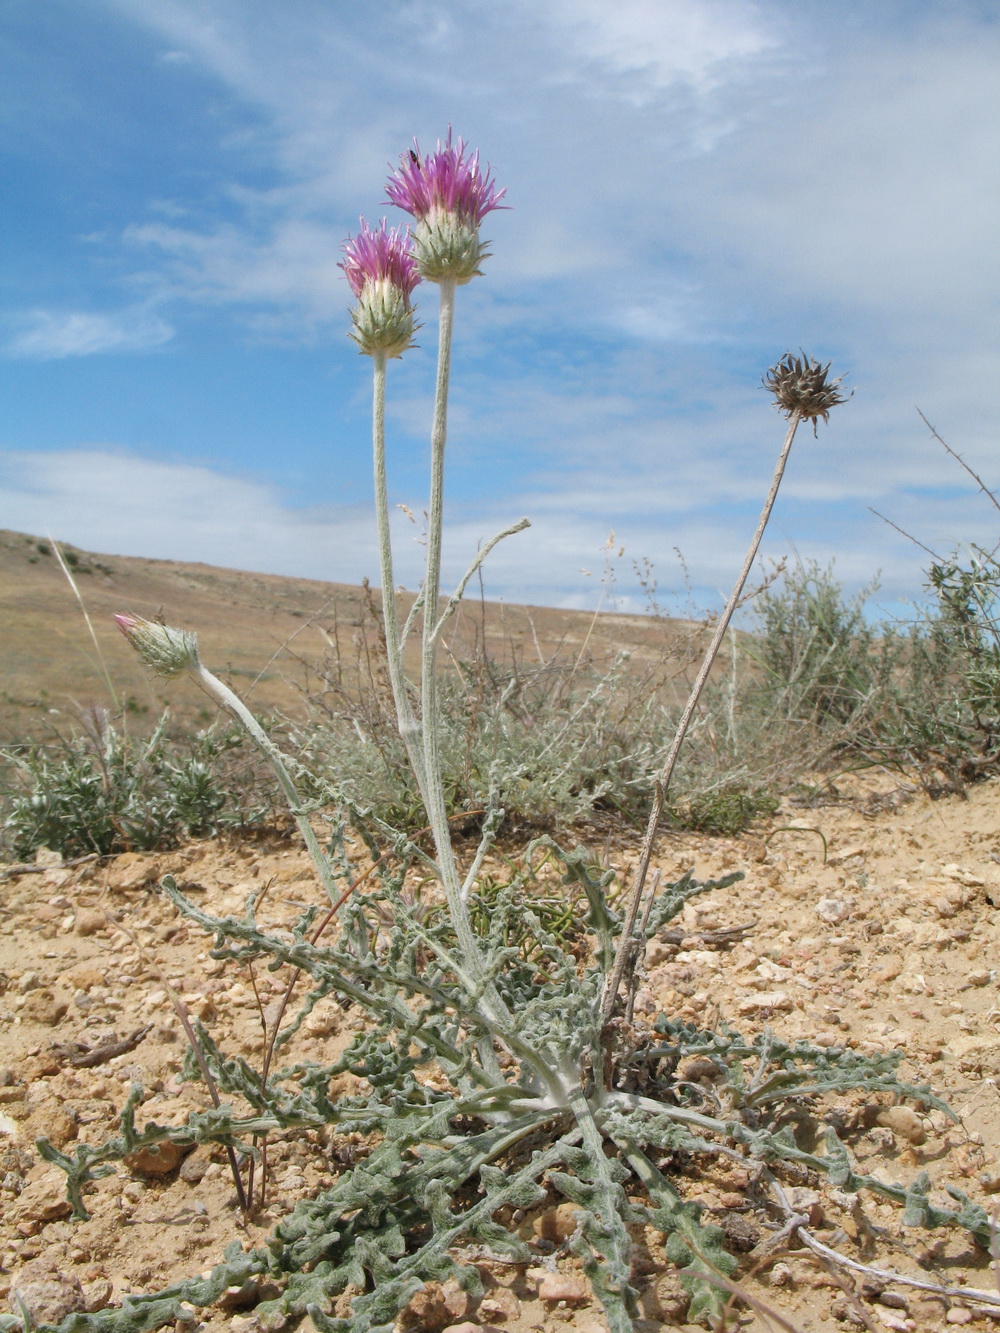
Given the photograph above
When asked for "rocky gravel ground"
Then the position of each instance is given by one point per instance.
(870, 921)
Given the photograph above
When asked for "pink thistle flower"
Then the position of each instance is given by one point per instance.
(449, 196)
(379, 256)
(446, 181)
(382, 273)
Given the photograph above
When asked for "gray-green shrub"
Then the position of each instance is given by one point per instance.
(106, 790)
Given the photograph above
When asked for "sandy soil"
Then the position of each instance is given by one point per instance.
(888, 944)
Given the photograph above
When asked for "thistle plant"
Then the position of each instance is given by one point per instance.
(449, 197)
(505, 1064)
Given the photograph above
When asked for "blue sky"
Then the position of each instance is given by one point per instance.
(696, 186)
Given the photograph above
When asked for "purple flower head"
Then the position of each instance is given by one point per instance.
(382, 273)
(446, 181)
(449, 197)
(379, 256)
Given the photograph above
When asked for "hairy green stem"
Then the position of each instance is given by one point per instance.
(422, 737)
(237, 709)
(408, 727)
(433, 788)
(434, 796)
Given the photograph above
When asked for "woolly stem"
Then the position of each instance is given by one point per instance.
(235, 706)
(409, 729)
(421, 739)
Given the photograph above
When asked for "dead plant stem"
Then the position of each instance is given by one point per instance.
(180, 1009)
(961, 461)
(86, 615)
(662, 782)
(881, 1274)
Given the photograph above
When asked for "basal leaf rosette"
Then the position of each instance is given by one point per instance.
(449, 195)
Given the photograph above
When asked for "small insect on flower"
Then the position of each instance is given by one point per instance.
(449, 195)
(801, 388)
(382, 273)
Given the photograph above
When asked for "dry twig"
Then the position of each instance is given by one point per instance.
(880, 1274)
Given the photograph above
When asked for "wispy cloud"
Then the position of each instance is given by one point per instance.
(698, 186)
(341, 97)
(661, 42)
(118, 502)
(48, 335)
(292, 274)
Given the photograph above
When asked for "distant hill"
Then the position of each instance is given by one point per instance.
(268, 635)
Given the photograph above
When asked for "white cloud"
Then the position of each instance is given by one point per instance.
(48, 335)
(532, 83)
(114, 502)
(293, 274)
(662, 41)
(693, 181)
(876, 187)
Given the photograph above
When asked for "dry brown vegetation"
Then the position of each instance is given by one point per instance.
(49, 661)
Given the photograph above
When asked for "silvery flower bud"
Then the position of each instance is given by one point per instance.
(170, 652)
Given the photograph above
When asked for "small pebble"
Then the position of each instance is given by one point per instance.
(834, 910)
(898, 1323)
(45, 1007)
(193, 1168)
(44, 1199)
(562, 1287)
(556, 1224)
(48, 1294)
(904, 1122)
(97, 1295)
(159, 1159)
(500, 1304)
(895, 1300)
(89, 920)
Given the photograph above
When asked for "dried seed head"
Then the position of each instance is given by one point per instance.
(801, 388)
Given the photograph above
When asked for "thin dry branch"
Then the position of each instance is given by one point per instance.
(990, 1298)
(961, 462)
